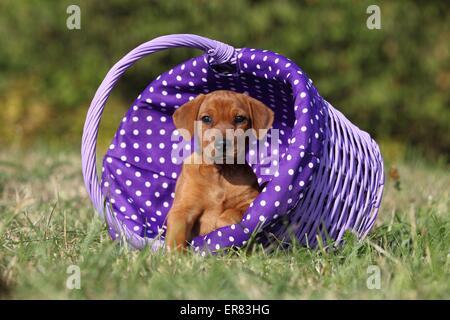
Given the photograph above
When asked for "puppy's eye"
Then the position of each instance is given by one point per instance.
(239, 119)
(206, 119)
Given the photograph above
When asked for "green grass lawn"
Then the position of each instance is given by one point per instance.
(47, 224)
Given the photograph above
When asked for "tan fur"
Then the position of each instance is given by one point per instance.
(209, 195)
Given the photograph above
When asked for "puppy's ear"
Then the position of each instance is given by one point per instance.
(261, 115)
(185, 116)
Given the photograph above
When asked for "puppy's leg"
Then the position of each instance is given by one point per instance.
(228, 217)
(180, 221)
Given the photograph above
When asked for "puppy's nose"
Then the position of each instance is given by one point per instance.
(221, 144)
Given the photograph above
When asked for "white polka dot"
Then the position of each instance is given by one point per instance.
(301, 183)
(291, 172)
(137, 174)
(122, 132)
(277, 188)
(262, 218)
(231, 238)
(136, 228)
(128, 182)
(262, 203)
(277, 203)
(302, 95)
(122, 209)
(310, 165)
(217, 246)
(119, 172)
(109, 160)
(303, 128)
(133, 217)
(136, 145)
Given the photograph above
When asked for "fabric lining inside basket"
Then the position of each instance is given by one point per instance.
(139, 176)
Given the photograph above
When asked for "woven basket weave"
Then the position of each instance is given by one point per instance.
(338, 178)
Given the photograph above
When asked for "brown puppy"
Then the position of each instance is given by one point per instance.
(211, 192)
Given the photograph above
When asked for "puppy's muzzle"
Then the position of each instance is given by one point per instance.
(223, 149)
(222, 145)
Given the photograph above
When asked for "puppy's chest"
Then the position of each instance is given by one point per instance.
(227, 195)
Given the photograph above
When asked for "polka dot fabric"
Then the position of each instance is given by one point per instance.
(139, 174)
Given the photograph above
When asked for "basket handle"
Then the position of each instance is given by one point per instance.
(219, 52)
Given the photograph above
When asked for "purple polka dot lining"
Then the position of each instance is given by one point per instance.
(139, 176)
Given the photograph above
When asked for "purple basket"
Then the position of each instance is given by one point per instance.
(330, 173)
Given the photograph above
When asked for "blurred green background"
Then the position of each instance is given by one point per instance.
(393, 83)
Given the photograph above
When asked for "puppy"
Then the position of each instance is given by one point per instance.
(212, 191)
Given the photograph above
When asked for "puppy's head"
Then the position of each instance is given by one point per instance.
(219, 119)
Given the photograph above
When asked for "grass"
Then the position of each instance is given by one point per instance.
(47, 224)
